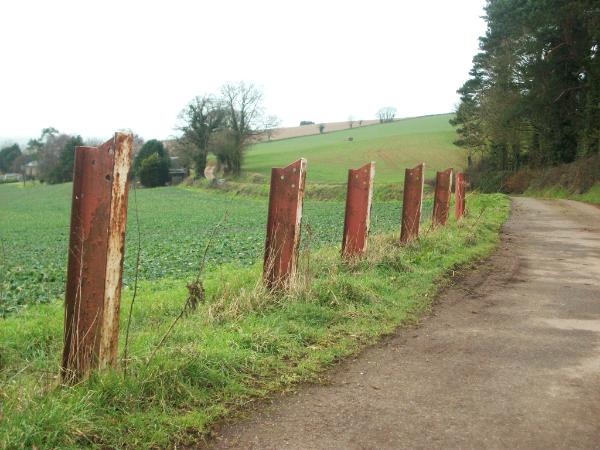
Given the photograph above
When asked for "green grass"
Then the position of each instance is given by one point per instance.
(559, 192)
(382, 192)
(174, 223)
(241, 344)
(393, 147)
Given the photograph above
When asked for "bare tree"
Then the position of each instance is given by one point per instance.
(199, 120)
(243, 105)
(386, 114)
(271, 123)
(185, 150)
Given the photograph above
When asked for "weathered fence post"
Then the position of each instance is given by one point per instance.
(96, 249)
(459, 195)
(358, 210)
(283, 225)
(412, 202)
(441, 201)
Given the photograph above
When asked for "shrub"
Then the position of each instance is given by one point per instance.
(154, 171)
(149, 148)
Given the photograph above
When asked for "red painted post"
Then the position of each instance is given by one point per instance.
(358, 210)
(441, 201)
(96, 250)
(283, 224)
(459, 195)
(412, 202)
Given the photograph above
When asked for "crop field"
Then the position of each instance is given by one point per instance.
(393, 146)
(242, 343)
(174, 226)
(187, 369)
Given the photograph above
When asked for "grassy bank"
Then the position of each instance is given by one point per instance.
(241, 344)
(382, 192)
(559, 192)
(393, 146)
(579, 180)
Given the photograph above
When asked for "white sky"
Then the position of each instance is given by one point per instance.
(92, 67)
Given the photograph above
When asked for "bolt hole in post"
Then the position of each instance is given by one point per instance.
(95, 259)
(412, 203)
(286, 198)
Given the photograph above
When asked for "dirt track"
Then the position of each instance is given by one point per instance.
(509, 359)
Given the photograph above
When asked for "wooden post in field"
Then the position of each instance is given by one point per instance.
(358, 210)
(96, 249)
(441, 201)
(412, 202)
(459, 195)
(283, 225)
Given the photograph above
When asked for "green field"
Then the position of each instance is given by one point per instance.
(393, 146)
(173, 226)
(241, 344)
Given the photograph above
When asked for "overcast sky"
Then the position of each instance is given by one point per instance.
(92, 67)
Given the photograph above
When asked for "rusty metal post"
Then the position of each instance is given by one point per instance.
(441, 201)
(283, 225)
(358, 210)
(412, 202)
(96, 250)
(459, 195)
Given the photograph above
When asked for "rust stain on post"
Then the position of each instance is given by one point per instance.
(283, 225)
(459, 195)
(441, 201)
(412, 203)
(358, 210)
(95, 261)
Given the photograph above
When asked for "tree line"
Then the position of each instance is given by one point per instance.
(223, 124)
(533, 96)
(53, 151)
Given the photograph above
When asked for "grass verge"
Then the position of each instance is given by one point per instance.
(241, 344)
(559, 192)
(323, 192)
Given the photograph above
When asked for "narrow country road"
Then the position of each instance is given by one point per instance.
(510, 358)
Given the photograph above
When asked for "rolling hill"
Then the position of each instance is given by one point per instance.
(393, 146)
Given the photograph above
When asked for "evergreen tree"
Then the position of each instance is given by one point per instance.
(154, 171)
(533, 96)
(8, 156)
(149, 148)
